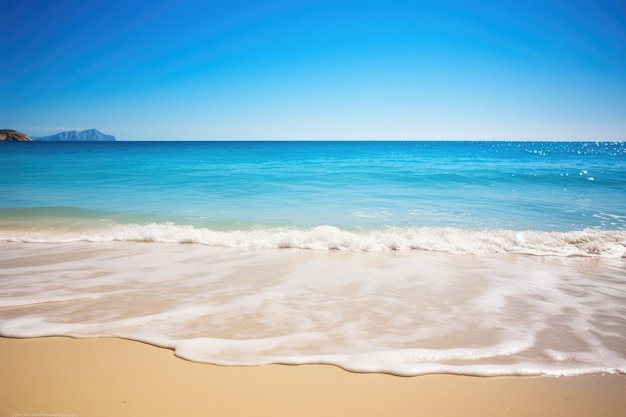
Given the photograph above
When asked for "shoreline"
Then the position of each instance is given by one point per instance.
(111, 376)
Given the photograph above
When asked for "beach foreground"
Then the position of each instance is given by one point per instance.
(115, 377)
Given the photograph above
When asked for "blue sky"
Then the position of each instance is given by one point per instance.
(157, 70)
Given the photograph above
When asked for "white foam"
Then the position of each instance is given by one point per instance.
(589, 242)
(400, 312)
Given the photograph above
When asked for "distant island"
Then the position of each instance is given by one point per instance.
(91, 135)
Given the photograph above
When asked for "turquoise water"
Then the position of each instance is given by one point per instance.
(188, 191)
(476, 258)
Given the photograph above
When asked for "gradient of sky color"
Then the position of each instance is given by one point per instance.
(153, 70)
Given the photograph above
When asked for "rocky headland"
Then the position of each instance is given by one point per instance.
(9, 134)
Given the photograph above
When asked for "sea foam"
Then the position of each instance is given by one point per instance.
(481, 258)
(399, 312)
(588, 242)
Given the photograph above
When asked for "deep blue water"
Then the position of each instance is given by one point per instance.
(548, 186)
(476, 258)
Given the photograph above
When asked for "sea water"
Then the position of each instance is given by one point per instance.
(481, 258)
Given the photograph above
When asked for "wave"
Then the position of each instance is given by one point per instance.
(588, 242)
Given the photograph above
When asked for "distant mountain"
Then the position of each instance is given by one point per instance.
(91, 135)
(9, 134)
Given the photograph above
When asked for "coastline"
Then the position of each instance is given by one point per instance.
(110, 376)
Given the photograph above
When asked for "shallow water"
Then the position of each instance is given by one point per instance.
(405, 313)
(480, 258)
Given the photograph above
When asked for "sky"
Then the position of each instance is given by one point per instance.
(291, 70)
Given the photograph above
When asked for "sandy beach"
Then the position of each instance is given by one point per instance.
(114, 377)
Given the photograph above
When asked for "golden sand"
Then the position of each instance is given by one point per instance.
(114, 377)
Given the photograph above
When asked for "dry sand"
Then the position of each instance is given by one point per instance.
(114, 377)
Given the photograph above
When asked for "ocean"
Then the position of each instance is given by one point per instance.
(409, 258)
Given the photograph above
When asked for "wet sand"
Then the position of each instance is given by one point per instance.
(112, 377)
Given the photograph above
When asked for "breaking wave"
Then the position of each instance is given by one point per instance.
(588, 242)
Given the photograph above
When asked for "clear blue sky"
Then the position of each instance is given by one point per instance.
(551, 70)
